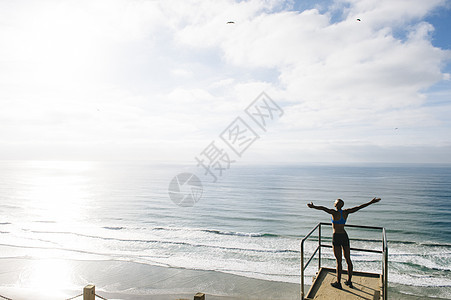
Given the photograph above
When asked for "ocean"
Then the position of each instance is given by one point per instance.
(248, 223)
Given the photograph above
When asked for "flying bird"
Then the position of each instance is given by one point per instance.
(230, 22)
(359, 20)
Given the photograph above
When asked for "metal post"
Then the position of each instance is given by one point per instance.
(319, 245)
(302, 270)
(385, 265)
(386, 275)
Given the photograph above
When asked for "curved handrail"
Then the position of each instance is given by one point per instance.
(384, 253)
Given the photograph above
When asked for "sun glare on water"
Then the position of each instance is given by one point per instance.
(56, 195)
(57, 192)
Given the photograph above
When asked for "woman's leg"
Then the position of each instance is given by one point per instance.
(347, 254)
(337, 253)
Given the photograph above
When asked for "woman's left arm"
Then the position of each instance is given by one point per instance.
(356, 208)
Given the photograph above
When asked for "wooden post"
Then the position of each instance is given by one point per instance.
(199, 296)
(89, 292)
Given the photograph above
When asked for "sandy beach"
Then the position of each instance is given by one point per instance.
(128, 280)
(134, 281)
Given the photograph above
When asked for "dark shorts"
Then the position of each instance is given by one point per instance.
(340, 239)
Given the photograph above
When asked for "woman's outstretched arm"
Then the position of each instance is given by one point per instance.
(328, 210)
(356, 208)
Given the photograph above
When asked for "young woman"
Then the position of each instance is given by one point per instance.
(340, 239)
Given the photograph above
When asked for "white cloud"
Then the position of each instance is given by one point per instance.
(142, 73)
(389, 13)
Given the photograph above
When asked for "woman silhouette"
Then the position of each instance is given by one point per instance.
(340, 238)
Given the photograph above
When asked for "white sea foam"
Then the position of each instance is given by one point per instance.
(255, 255)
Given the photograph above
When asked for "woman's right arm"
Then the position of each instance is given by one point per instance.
(328, 210)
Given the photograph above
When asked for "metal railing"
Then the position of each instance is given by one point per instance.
(384, 253)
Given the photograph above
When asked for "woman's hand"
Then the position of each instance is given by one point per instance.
(375, 200)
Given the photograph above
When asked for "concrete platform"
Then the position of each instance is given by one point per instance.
(366, 286)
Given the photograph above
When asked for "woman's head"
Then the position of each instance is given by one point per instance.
(339, 203)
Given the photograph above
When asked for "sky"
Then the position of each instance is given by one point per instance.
(364, 81)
